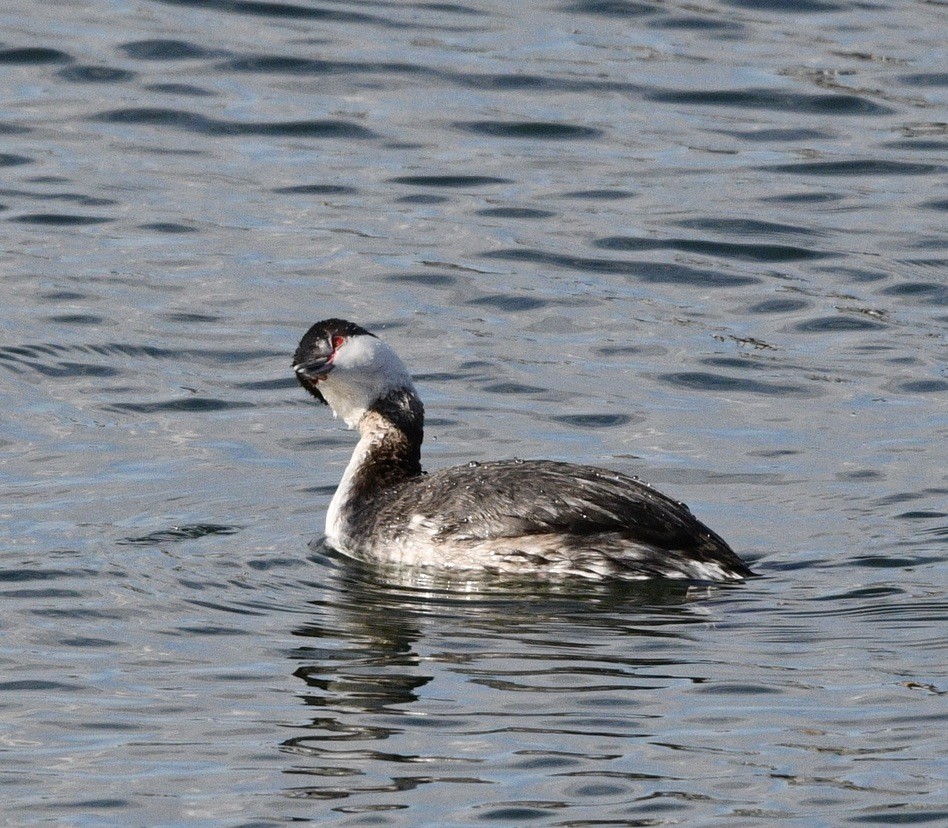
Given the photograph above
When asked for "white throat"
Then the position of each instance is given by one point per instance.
(373, 429)
(337, 529)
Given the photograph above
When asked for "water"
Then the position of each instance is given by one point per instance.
(700, 243)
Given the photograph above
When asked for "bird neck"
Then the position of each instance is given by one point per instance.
(388, 453)
(391, 432)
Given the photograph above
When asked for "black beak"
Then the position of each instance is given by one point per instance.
(314, 370)
(310, 373)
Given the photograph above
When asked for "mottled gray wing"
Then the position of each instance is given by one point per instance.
(512, 498)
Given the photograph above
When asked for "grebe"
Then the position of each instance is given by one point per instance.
(509, 516)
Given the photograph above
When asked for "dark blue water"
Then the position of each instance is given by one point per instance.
(704, 244)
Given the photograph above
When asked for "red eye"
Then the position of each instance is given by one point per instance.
(337, 342)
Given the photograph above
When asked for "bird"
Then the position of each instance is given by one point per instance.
(517, 517)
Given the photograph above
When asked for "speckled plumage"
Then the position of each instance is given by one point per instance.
(513, 516)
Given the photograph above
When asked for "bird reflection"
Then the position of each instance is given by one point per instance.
(389, 658)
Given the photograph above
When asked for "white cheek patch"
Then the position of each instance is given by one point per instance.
(364, 370)
(355, 353)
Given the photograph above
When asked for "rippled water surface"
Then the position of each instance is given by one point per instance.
(699, 242)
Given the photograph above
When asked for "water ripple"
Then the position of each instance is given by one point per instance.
(60, 219)
(861, 167)
(164, 49)
(932, 79)
(509, 302)
(27, 573)
(718, 383)
(192, 122)
(37, 685)
(930, 293)
(747, 227)
(94, 74)
(449, 180)
(191, 404)
(600, 195)
(593, 420)
(179, 533)
(51, 358)
(779, 306)
(278, 10)
(515, 213)
(654, 272)
(771, 99)
(10, 159)
(755, 252)
(837, 324)
(75, 198)
(32, 55)
(316, 189)
(168, 227)
(611, 8)
(778, 135)
(538, 130)
(790, 6)
(286, 64)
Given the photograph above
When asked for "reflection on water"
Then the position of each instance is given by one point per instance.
(389, 658)
(702, 244)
